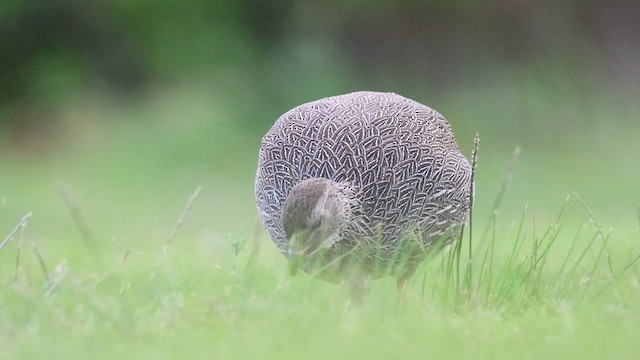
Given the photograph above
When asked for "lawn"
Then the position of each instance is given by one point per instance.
(144, 242)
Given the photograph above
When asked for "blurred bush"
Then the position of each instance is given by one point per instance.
(266, 55)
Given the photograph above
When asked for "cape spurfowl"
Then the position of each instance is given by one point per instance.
(357, 186)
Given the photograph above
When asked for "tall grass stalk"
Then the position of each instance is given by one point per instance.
(183, 214)
(86, 235)
(521, 276)
(21, 224)
(164, 255)
(504, 183)
(474, 165)
(506, 281)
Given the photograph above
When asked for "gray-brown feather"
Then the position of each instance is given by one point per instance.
(398, 157)
(297, 210)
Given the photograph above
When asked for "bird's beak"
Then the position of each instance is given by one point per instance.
(295, 255)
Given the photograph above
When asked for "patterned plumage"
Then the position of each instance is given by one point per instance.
(363, 177)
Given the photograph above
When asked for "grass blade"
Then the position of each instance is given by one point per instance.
(184, 214)
(86, 234)
(506, 179)
(21, 224)
(474, 164)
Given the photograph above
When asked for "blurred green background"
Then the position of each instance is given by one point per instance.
(127, 105)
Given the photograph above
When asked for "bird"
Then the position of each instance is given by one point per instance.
(358, 186)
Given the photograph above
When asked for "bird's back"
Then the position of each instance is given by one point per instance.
(399, 156)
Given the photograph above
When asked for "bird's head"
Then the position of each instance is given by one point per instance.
(314, 213)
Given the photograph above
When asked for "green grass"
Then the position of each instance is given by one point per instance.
(121, 257)
(537, 299)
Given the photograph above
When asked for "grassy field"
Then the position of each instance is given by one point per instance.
(143, 242)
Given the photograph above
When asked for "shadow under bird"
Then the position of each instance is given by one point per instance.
(358, 186)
